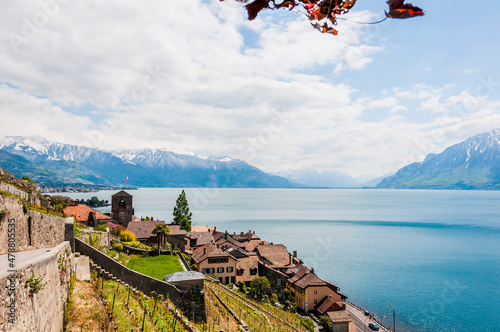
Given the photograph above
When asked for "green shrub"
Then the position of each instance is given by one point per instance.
(308, 324)
(117, 246)
(101, 228)
(127, 236)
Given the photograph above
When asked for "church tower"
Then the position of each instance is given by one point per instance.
(121, 206)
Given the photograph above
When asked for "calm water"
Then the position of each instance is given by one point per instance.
(433, 255)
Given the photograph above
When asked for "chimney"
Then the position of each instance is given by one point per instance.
(241, 233)
(254, 232)
(312, 269)
(295, 253)
(215, 229)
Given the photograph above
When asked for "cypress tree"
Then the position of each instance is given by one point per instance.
(182, 216)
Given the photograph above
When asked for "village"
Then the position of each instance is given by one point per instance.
(232, 259)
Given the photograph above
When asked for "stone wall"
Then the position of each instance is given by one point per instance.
(43, 311)
(33, 230)
(144, 283)
(103, 238)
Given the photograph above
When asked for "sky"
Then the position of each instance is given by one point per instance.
(195, 76)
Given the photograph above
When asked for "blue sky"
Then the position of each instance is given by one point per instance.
(194, 76)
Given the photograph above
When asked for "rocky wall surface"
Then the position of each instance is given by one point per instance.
(21, 309)
(32, 230)
(102, 238)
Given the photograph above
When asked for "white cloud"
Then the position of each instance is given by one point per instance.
(178, 75)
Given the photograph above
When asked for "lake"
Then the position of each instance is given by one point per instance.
(433, 256)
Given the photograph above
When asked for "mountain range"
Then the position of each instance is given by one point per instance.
(50, 163)
(471, 164)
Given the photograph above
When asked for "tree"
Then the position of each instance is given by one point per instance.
(286, 294)
(325, 321)
(182, 216)
(161, 231)
(260, 285)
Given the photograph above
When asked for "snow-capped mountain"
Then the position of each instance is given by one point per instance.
(63, 163)
(471, 164)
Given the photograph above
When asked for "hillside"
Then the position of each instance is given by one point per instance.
(471, 164)
(56, 163)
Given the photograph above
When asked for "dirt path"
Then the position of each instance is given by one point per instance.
(87, 313)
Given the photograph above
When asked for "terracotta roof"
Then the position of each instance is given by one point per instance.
(297, 272)
(329, 304)
(199, 229)
(341, 316)
(81, 213)
(201, 238)
(143, 229)
(251, 245)
(245, 237)
(246, 264)
(121, 193)
(176, 230)
(208, 251)
(276, 254)
(310, 279)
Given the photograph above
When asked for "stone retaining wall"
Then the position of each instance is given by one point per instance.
(33, 230)
(43, 311)
(144, 283)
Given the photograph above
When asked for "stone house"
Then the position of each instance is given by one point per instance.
(341, 321)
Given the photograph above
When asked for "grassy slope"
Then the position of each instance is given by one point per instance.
(156, 267)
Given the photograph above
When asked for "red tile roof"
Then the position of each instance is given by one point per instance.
(246, 264)
(276, 254)
(341, 316)
(201, 238)
(81, 212)
(143, 229)
(208, 251)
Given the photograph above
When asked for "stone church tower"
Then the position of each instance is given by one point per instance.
(121, 206)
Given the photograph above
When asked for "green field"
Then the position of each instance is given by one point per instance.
(156, 267)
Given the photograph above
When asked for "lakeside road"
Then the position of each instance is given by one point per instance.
(361, 321)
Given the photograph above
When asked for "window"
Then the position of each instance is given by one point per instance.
(204, 271)
(315, 301)
(229, 269)
(220, 270)
(278, 282)
(315, 292)
(240, 272)
(217, 260)
(253, 272)
(233, 280)
(211, 270)
(122, 203)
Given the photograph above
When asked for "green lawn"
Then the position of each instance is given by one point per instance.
(156, 267)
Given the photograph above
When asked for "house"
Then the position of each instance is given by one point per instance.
(307, 289)
(245, 237)
(86, 215)
(198, 239)
(341, 321)
(247, 269)
(275, 256)
(212, 261)
(329, 305)
(143, 231)
(176, 238)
